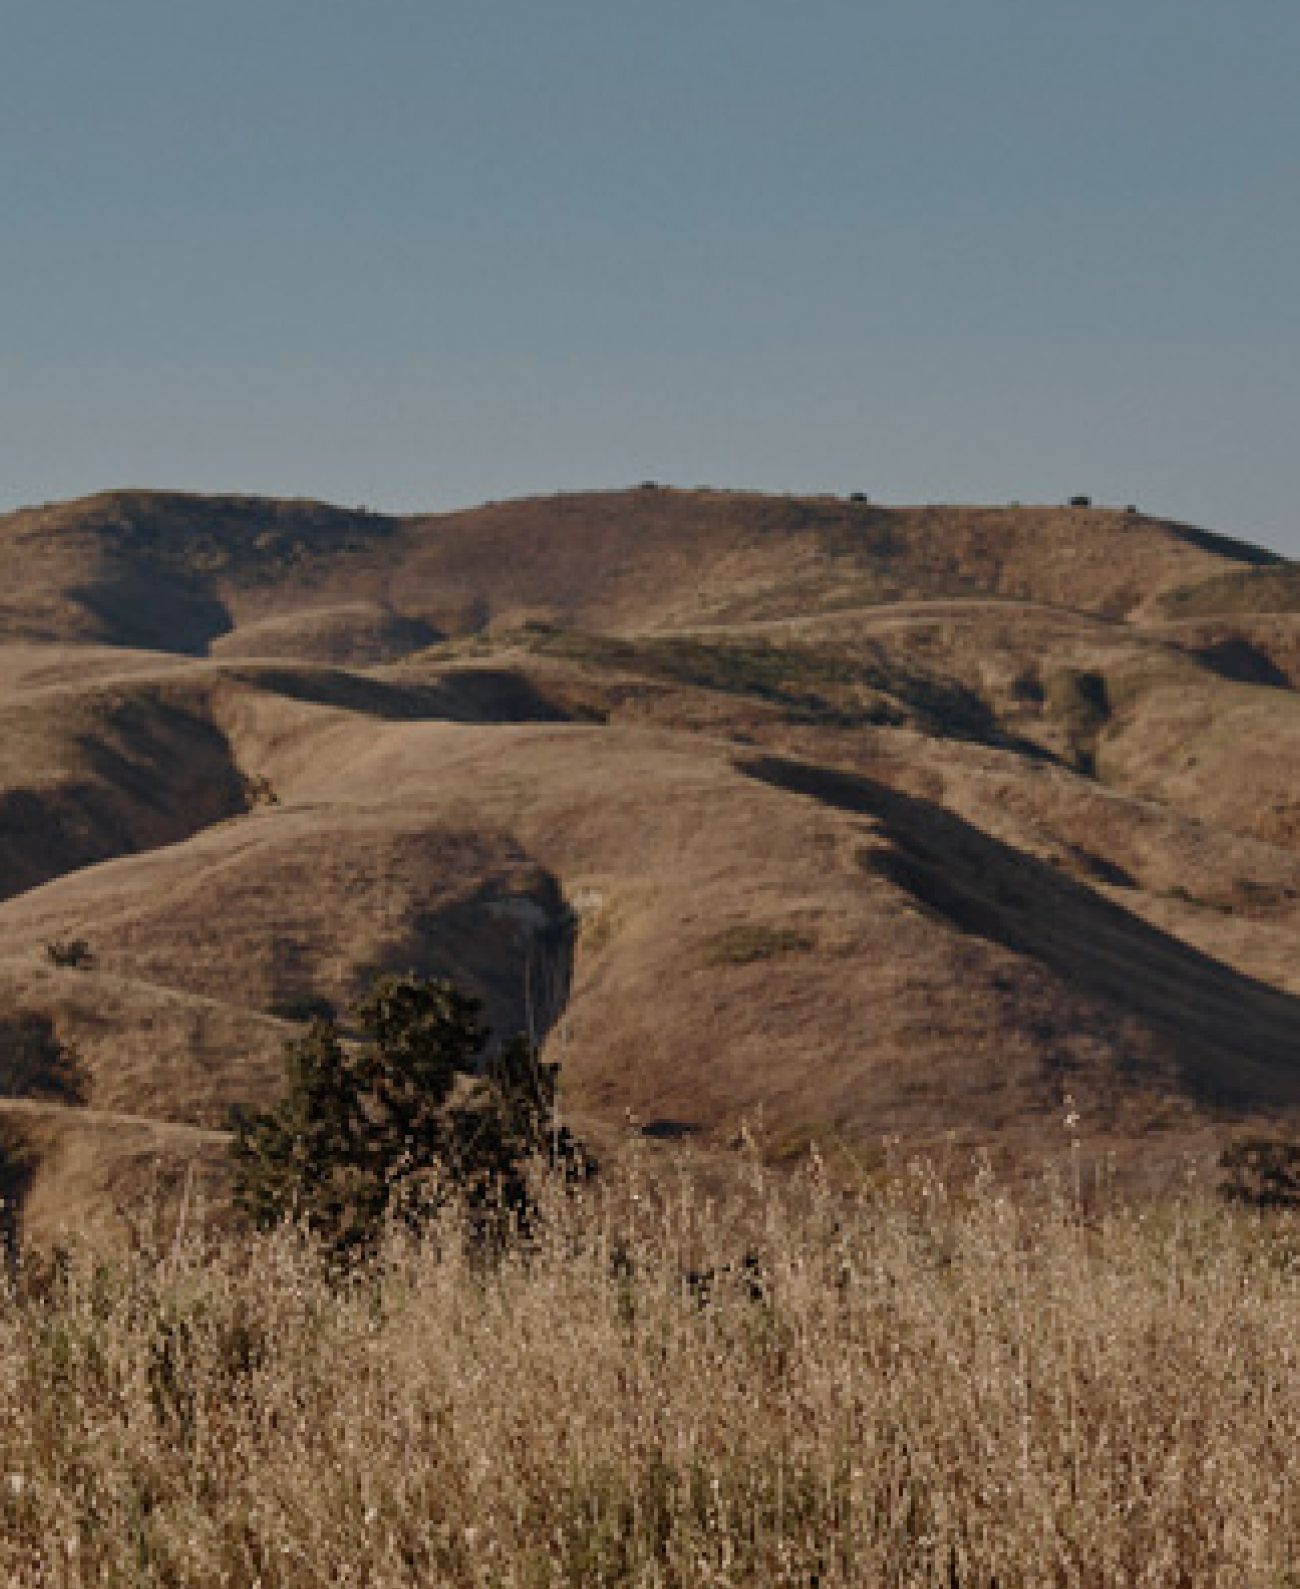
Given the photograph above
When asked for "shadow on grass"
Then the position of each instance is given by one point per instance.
(1236, 1040)
(17, 1169)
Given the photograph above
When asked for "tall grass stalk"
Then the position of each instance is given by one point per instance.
(780, 1387)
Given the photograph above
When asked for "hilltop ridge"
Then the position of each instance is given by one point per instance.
(117, 566)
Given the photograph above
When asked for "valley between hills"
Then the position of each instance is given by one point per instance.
(847, 821)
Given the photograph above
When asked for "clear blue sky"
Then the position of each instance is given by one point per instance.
(416, 253)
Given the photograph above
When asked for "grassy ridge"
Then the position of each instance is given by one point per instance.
(914, 1388)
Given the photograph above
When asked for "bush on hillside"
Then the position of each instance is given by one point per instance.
(35, 1064)
(72, 952)
(419, 1110)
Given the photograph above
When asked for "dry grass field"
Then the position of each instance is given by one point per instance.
(924, 1384)
(851, 820)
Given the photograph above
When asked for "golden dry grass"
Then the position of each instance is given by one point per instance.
(777, 1385)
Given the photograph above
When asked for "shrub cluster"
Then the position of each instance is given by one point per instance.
(388, 1125)
(70, 952)
(1262, 1172)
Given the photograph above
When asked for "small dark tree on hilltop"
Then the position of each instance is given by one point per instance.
(393, 1125)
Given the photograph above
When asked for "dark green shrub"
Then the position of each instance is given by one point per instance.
(745, 943)
(1262, 1172)
(35, 1064)
(74, 952)
(418, 1111)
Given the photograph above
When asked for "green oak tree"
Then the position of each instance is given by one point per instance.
(419, 1109)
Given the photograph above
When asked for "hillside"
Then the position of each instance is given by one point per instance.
(847, 819)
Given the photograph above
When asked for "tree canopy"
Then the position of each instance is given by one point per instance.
(419, 1108)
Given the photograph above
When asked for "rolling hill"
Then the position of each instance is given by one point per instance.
(846, 819)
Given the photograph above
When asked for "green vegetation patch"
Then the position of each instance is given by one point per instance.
(390, 1126)
(789, 674)
(831, 686)
(748, 942)
(1251, 590)
(1127, 685)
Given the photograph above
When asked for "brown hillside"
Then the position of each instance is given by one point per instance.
(848, 819)
(180, 573)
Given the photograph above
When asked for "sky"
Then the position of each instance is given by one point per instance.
(422, 253)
